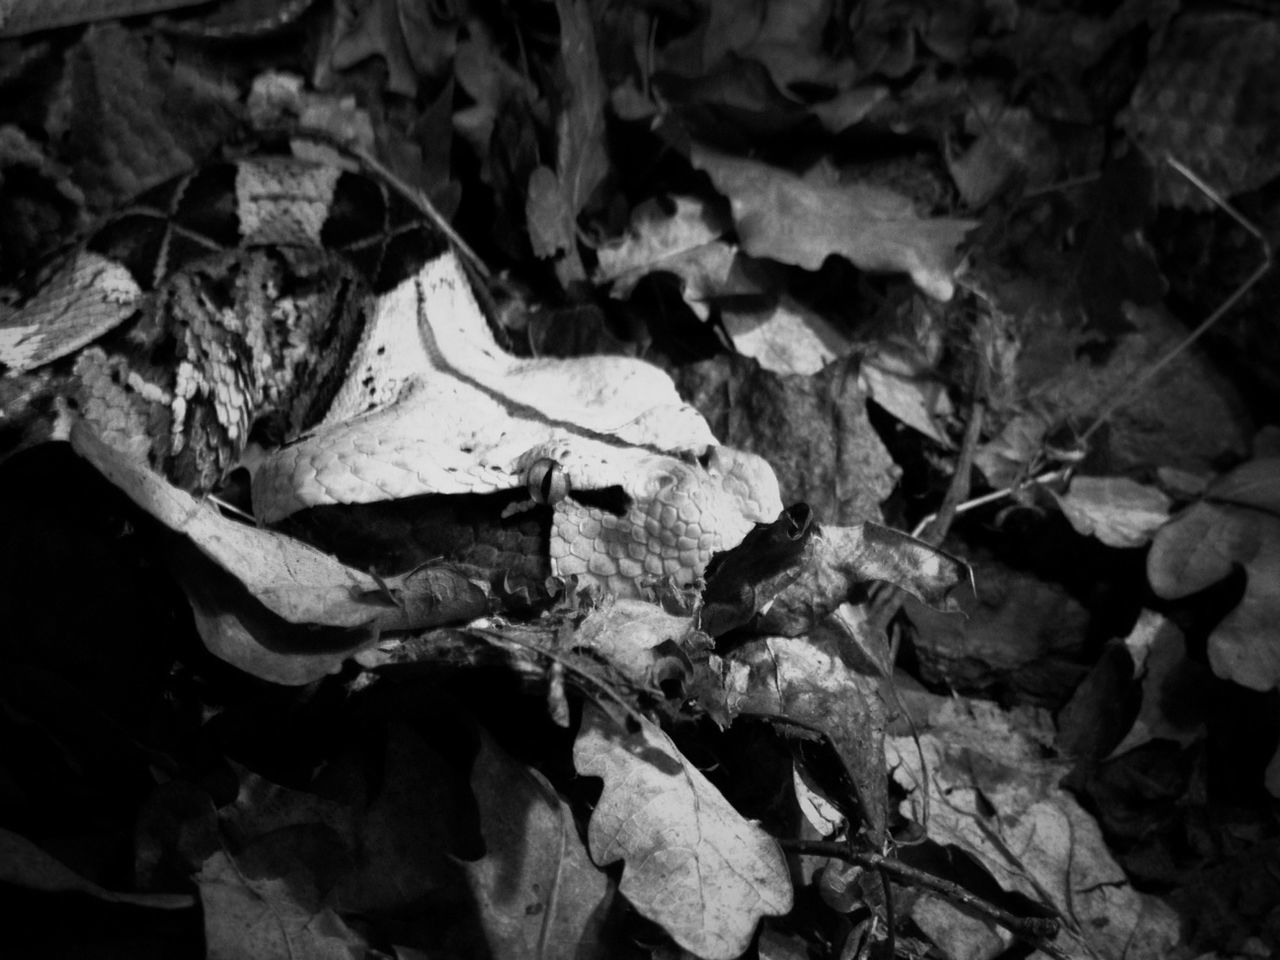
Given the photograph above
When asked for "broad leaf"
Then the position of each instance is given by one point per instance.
(1118, 511)
(804, 220)
(992, 793)
(538, 893)
(692, 863)
(1202, 546)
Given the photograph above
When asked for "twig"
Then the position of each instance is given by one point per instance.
(414, 194)
(1040, 931)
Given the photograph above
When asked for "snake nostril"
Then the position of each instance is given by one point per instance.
(546, 481)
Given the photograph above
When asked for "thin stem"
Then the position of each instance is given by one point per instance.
(1037, 930)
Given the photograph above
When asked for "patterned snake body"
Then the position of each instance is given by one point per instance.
(188, 324)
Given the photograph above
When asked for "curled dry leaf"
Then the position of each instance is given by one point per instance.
(796, 678)
(23, 864)
(267, 603)
(839, 558)
(802, 221)
(692, 864)
(635, 637)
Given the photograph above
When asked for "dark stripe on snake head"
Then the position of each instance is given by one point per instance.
(173, 225)
(380, 232)
(163, 197)
(207, 207)
(135, 241)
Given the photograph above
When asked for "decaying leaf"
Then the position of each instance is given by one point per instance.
(692, 863)
(840, 558)
(992, 793)
(804, 220)
(489, 81)
(785, 336)
(556, 197)
(638, 639)
(1170, 709)
(814, 431)
(379, 32)
(265, 916)
(806, 681)
(539, 894)
(683, 238)
(899, 378)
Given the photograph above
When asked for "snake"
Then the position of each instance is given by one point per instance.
(185, 331)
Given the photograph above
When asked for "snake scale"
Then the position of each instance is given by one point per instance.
(186, 330)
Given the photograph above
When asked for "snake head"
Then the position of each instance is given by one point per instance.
(626, 513)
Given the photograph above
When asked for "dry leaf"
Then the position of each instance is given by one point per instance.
(839, 558)
(1118, 511)
(786, 337)
(806, 681)
(813, 431)
(268, 916)
(682, 237)
(692, 863)
(1170, 708)
(802, 221)
(23, 864)
(993, 794)
(900, 379)
(267, 603)
(538, 893)
(626, 635)
(377, 32)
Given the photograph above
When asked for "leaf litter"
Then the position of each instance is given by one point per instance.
(904, 240)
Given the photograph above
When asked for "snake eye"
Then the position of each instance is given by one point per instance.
(547, 482)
